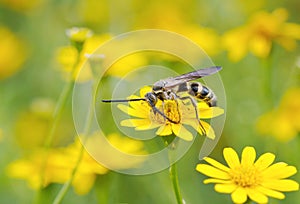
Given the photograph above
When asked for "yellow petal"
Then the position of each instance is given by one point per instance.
(212, 171)
(281, 185)
(236, 42)
(141, 106)
(195, 124)
(248, 156)
(182, 132)
(260, 46)
(270, 192)
(256, 195)
(210, 112)
(210, 133)
(148, 126)
(225, 188)
(135, 122)
(283, 172)
(145, 90)
(239, 195)
(133, 112)
(164, 130)
(231, 157)
(291, 30)
(264, 161)
(83, 183)
(216, 164)
(213, 180)
(270, 172)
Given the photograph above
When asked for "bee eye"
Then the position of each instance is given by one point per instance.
(151, 98)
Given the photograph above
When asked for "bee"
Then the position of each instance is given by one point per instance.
(170, 89)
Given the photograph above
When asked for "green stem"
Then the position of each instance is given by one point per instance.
(174, 179)
(58, 112)
(170, 143)
(61, 103)
(63, 98)
(63, 191)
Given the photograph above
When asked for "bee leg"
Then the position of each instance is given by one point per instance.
(194, 103)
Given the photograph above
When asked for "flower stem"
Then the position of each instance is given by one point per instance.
(174, 179)
(170, 143)
(65, 94)
(63, 191)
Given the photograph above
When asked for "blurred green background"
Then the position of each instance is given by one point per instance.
(261, 82)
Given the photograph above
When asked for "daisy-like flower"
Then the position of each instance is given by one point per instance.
(258, 35)
(283, 121)
(179, 112)
(248, 178)
(72, 57)
(61, 162)
(79, 34)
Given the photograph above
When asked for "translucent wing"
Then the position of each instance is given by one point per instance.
(174, 81)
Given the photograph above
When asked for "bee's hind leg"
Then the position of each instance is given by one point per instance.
(194, 103)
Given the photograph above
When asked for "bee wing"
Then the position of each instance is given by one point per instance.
(174, 81)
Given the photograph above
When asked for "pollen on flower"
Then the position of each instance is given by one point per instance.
(245, 176)
(170, 109)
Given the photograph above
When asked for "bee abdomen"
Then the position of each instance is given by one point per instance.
(203, 93)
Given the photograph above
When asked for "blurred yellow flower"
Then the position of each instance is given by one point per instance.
(127, 63)
(282, 122)
(69, 57)
(174, 20)
(61, 162)
(206, 38)
(249, 179)
(79, 35)
(180, 113)
(32, 125)
(258, 35)
(94, 12)
(12, 52)
(22, 5)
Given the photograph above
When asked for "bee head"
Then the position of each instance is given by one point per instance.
(151, 98)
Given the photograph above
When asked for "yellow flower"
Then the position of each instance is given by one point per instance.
(177, 111)
(22, 5)
(127, 63)
(247, 178)
(69, 57)
(12, 52)
(35, 122)
(95, 13)
(259, 33)
(174, 20)
(61, 161)
(282, 122)
(79, 34)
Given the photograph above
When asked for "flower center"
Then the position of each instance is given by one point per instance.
(170, 109)
(245, 176)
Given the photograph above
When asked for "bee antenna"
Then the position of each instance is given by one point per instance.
(122, 100)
